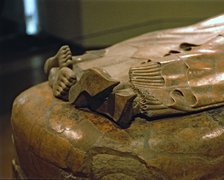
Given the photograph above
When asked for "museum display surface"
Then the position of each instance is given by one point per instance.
(147, 108)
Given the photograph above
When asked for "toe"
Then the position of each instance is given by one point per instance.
(59, 89)
(63, 86)
(68, 63)
(56, 93)
(72, 81)
(64, 47)
(68, 57)
(68, 52)
(65, 80)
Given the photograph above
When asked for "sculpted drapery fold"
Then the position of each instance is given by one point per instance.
(161, 73)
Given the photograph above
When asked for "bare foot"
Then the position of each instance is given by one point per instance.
(65, 79)
(63, 58)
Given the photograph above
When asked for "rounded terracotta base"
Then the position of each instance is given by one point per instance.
(55, 140)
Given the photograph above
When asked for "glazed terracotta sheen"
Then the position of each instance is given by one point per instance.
(168, 72)
(55, 140)
(146, 108)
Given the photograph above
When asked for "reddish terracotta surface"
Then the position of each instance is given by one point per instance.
(166, 72)
(55, 140)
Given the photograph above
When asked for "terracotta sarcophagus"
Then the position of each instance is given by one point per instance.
(146, 108)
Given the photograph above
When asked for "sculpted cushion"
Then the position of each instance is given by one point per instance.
(55, 140)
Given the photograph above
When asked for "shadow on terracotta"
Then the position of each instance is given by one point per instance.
(174, 77)
(166, 72)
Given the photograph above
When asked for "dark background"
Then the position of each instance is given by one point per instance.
(82, 24)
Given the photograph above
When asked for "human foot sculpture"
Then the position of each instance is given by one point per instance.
(161, 73)
(92, 88)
